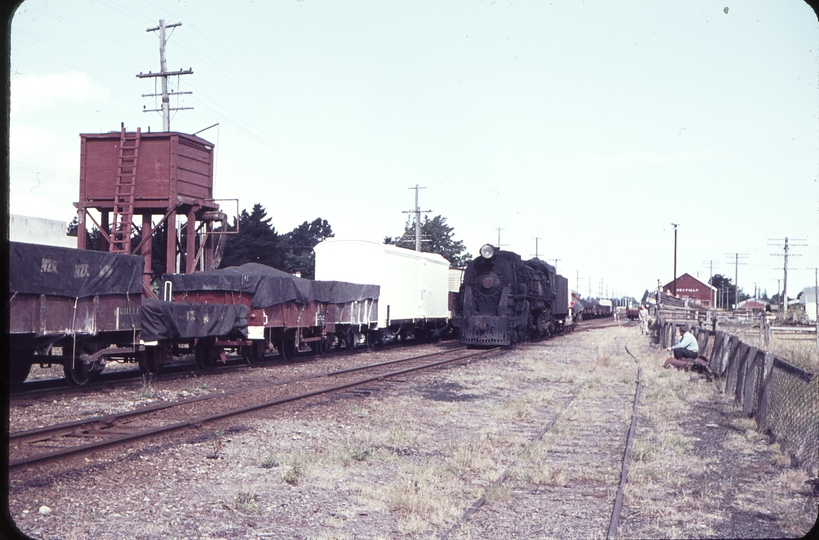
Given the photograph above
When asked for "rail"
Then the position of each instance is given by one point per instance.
(114, 430)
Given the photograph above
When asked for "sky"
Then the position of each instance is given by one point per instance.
(577, 131)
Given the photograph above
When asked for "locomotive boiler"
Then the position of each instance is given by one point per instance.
(506, 300)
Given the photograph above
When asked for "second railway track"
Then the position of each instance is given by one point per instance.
(61, 441)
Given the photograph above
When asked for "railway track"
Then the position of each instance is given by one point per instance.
(63, 441)
(611, 532)
(178, 369)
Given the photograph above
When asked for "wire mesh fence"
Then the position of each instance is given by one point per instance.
(783, 398)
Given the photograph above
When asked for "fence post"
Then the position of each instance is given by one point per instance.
(752, 381)
(764, 394)
(742, 373)
(736, 356)
(716, 352)
(731, 344)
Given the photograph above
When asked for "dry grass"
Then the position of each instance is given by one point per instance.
(419, 495)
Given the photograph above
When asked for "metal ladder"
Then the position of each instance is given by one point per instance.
(124, 195)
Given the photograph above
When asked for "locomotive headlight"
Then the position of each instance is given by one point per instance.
(487, 251)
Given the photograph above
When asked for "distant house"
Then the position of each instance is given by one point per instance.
(754, 304)
(35, 230)
(808, 299)
(687, 286)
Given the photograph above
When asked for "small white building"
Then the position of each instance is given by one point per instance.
(45, 232)
(808, 300)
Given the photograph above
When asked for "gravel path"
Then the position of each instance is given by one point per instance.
(406, 459)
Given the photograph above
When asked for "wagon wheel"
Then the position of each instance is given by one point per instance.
(286, 347)
(371, 338)
(204, 350)
(254, 353)
(152, 359)
(350, 340)
(322, 345)
(77, 375)
(20, 366)
(326, 343)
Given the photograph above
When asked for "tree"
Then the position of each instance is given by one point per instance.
(723, 284)
(93, 240)
(297, 247)
(257, 241)
(436, 237)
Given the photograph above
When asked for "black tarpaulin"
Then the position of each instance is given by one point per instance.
(269, 287)
(77, 273)
(185, 320)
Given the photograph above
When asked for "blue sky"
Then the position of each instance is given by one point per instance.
(592, 126)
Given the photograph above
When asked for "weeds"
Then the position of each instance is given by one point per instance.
(147, 391)
(246, 501)
(293, 474)
(268, 462)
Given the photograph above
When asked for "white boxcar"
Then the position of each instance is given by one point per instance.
(414, 285)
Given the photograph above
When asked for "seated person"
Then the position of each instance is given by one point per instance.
(686, 347)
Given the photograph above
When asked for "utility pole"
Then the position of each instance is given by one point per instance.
(816, 303)
(577, 281)
(555, 261)
(674, 282)
(417, 213)
(499, 229)
(537, 256)
(785, 267)
(164, 74)
(711, 277)
(736, 273)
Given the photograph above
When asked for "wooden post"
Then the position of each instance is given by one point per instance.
(170, 243)
(147, 249)
(742, 373)
(190, 248)
(764, 394)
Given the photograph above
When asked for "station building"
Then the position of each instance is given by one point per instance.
(687, 286)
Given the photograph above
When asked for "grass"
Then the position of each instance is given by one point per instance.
(147, 390)
(246, 501)
(419, 496)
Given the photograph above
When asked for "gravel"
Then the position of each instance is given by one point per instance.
(407, 458)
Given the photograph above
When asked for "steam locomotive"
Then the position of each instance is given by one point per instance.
(505, 300)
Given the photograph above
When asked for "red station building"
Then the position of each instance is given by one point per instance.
(687, 286)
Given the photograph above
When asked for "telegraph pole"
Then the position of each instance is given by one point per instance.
(711, 274)
(164, 74)
(555, 261)
(499, 229)
(785, 267)
(736, 273)
(674, 282)
(417, 213)
(537, 256)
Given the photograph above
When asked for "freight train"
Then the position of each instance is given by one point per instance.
(506, 300)
(80, 309)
